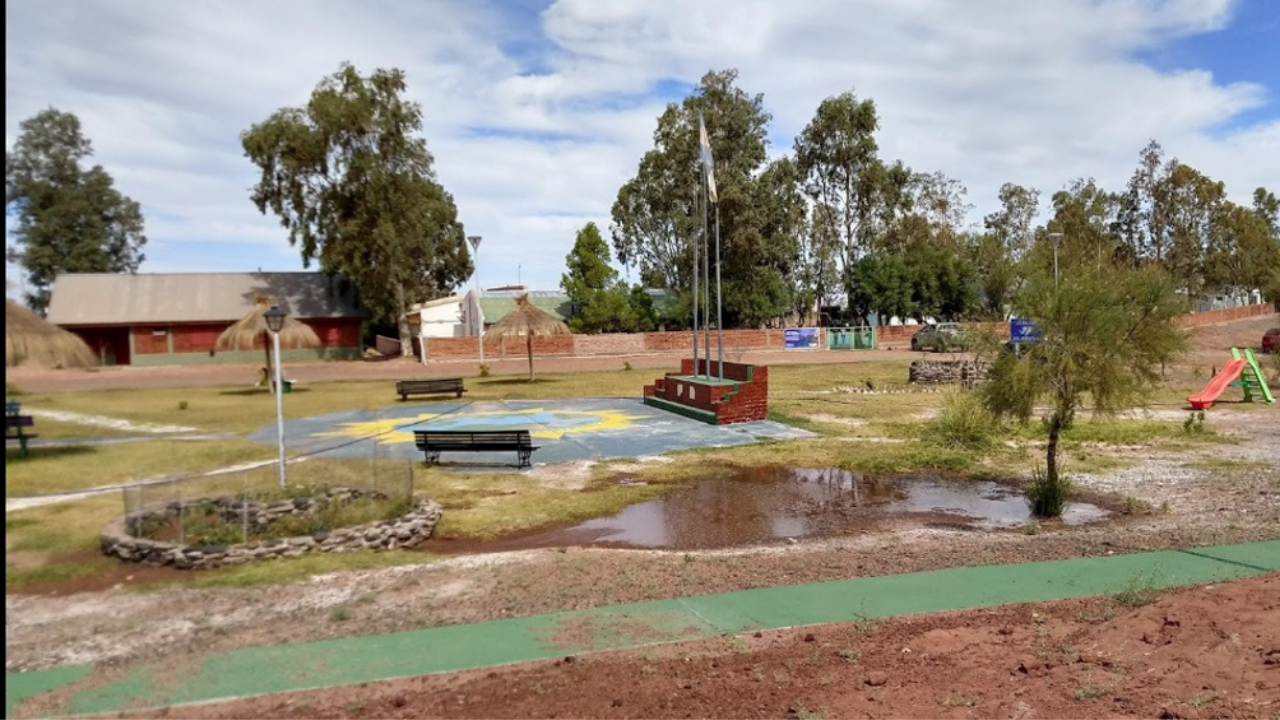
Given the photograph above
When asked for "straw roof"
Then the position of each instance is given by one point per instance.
(32, 340)
(246, 330)
(525, 321)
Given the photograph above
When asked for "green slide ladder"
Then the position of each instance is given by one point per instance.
(1251, 379)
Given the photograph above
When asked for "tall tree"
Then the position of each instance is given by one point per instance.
(69, 218)
(657, 216)
(353, 184)
(837, 156)
(600, 300)
(995, 253)
(818, 276)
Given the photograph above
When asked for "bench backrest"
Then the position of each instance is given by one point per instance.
(513, 437)
(442, 382)
(19, 421)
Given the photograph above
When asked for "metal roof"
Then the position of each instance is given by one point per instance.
(556, 304)
(121, 299)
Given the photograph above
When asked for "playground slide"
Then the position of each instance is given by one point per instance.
(1203, 400)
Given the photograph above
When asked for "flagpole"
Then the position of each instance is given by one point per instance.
(695, 287)
(719, 312)
(706, 284)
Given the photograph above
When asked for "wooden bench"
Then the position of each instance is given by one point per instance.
(405, 388)
(433, 442)
(15, 426)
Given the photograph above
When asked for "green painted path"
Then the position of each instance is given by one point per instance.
(253, 671)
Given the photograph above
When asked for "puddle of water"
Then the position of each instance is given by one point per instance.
(768, 504)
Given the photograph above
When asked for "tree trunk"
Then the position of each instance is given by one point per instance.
(270, 368)
(402, 324)
(528, 343)
(1051, 449)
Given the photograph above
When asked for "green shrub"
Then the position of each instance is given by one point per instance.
(1047, 497)
(484, 370)
(964, 423)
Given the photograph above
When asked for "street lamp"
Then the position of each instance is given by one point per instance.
(1055, 238)
(275, 322)
(475, 260)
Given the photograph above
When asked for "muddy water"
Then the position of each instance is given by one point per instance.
(769, 504)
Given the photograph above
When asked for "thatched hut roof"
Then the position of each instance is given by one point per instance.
(246, 330)
(526, 321)
(32, 340)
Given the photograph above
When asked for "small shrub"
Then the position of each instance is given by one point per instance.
(484, 370)
(1031, 528)
(626, 365)
(1138, 592)
(1047, 497)
(1194, 424)
(340, 614)
(1131, 505)
(964, 423)
(1088, 692)
(182, 405)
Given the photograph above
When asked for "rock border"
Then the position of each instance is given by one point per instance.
(407, 531)
(947, 372)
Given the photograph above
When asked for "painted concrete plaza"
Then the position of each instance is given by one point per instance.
(565, 430)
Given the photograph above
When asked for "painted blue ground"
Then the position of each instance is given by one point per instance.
(565, 430)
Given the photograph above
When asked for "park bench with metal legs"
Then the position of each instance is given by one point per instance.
(15, 425)
(405, 388)
(434, 442)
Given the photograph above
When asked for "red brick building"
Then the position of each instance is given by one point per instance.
(175, 318)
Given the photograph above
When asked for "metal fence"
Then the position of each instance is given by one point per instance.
(236, 504)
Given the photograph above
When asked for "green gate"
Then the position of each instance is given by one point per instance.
(862, 337)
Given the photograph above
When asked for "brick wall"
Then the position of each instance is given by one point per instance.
(608, 344)
(336, 332)
(544, 345)
(149, 340)
(196, 338)
(1224, 315)
(666, 341)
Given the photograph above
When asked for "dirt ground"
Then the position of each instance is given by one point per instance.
(1208, 652)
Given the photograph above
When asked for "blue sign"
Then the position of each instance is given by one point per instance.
(1023, 332)
(801, 338)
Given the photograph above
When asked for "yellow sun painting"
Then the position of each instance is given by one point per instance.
(541, 423)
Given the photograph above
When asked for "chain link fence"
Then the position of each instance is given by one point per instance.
(324, 487)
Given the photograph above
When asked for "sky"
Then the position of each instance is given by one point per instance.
(537, 112)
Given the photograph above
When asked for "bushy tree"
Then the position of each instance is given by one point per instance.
(601, 302)
(352, 182)
(69, 218)
(657, 216)
(1107, 330)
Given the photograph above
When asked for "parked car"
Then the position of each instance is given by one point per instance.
(1271, 340)
(941, 337)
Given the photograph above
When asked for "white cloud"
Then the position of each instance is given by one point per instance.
(1005, 90)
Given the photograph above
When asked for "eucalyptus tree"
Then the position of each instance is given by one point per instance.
(353, 184)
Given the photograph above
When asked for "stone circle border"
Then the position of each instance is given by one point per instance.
(407, 531)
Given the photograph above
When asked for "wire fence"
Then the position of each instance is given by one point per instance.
(324, 487)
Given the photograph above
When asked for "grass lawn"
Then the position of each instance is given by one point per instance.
(868, 433)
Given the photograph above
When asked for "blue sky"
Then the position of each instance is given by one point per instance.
(537, 112)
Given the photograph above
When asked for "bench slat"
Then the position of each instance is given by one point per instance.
(433, 442)
(405, 388)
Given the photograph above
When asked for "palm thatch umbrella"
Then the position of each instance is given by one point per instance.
(246, 331)
(528, 321)
(31, 340)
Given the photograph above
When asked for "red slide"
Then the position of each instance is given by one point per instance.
(1203, 400)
